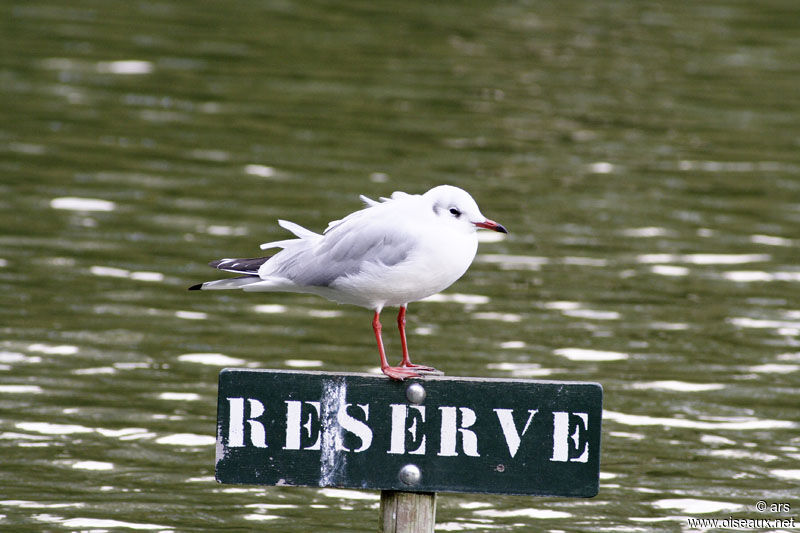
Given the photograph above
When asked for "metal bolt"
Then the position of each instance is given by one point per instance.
(410, 475)
(415, 393)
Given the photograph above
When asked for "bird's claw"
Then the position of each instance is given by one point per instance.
(399, 373)
(410, 370)
(428, 370)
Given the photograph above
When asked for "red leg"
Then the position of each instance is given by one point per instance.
(401, 325)
(394, 372)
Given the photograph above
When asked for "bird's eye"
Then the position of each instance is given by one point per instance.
(455, 212)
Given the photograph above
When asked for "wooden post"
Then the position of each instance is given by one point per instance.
(407, 512)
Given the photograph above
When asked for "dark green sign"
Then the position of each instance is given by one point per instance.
(326, 429)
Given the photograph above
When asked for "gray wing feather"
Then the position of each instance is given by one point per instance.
(344, 252)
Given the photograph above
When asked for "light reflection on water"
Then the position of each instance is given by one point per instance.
(646, 169)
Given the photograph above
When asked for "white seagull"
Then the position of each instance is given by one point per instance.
(399, 250)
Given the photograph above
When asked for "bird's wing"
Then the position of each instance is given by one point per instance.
(368, 201)
(399, 195)
(373, 208)
(346, 249)
(240, 266)
(297, 229)
(369, 241)
(396, 195)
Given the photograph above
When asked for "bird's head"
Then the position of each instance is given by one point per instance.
(456, 207)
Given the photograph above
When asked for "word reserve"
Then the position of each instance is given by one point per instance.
(434, 434)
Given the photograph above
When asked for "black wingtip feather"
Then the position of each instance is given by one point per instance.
(241, 266)
(196, 287)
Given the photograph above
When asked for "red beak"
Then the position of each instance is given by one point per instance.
(492, 225)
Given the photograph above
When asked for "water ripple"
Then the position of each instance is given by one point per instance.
(734, 424)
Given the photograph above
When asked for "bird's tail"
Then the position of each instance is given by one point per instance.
(230, 283)
(240, 266)
(248, 267)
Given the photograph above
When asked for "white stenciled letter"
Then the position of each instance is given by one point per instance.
(397, 441)
(356, 427)
(561, 437)
(293, 409)
(576, 438)
(294, 424)
(236, 420)
(506, 418)
(451, 429)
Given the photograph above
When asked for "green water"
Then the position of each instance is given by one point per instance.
(643, 156)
